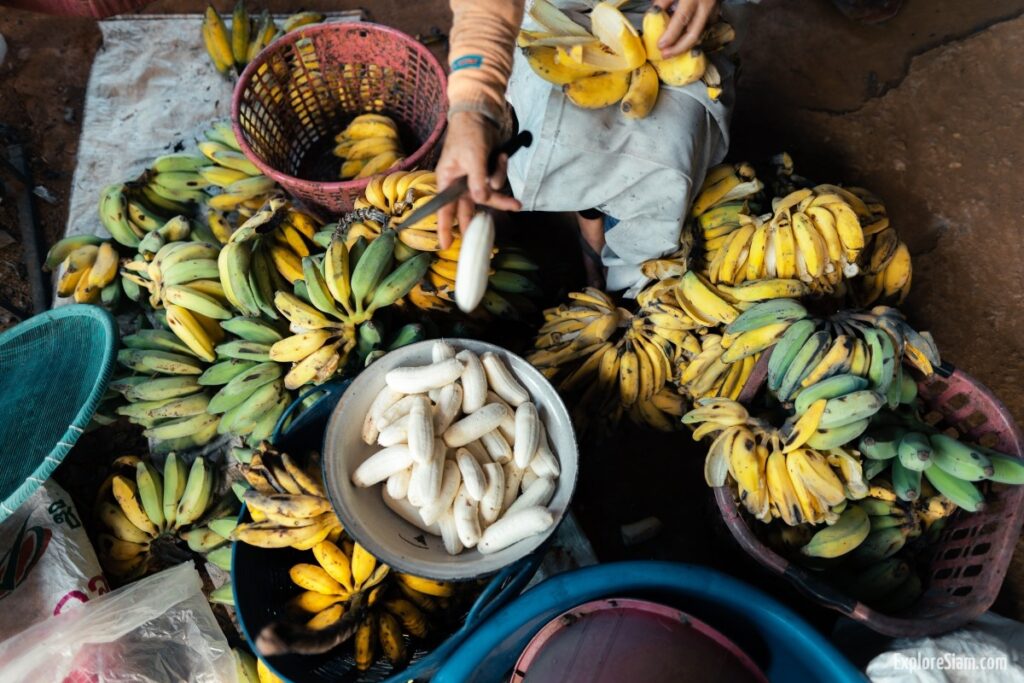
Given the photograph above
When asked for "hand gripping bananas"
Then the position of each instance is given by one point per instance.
(613, 63)
(142, 513)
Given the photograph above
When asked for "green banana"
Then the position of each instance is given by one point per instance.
(786, 350)
(511, 282)
(196, 495)
(879, 508)
(766, 313)
(222, 132)
(356, 251)
(834, 437)
(908, 389)
(175, 476)
(1006, 469)
(177, 229)
(241, 387)
(150, 488)
(114, 215)
(160, 388)
(852, 407)
(875, 581)
(235, 160)
(879, 545)
(180, 195)
(242, 418)
(370, 337)
(224, 595)
(185, 406)
(220, 557)
(171, 163)
(202, 436)
(146, 360)
(399, 282)
(156, 340)
(316, 288)
(882, 443)
(224, 371)
(264, 427)
(882, 366)
(180, 427)
(223, 525)
(963, 493)
(873, 468)
(809, 355)
(151, 244)
(190, 271)
(906, 482)
(829, 388)
(244, 350)
(915, 451)
(63, 247)
(959, 459)
(407, 334)
(372, 265)
(261, 281)
(252, 330)
(201, 540)
(323, 237)
(186, 251)
(842, 537)
(234, 263)
(198, 302)
(511, 260)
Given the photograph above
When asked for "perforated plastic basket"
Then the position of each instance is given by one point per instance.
(54, 369)
(305, 87)
(964, 570)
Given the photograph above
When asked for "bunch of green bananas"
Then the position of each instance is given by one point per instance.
(608, 360)
(138, 507)
(88, 267)
(915, 453)
(231, 49)
(243, 187)
(164, 395)
(286, 500)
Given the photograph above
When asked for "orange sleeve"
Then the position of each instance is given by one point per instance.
(480, 54)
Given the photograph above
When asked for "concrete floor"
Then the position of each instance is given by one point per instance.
(925, 110)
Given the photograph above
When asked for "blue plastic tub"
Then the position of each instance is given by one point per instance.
(781, 643)
(261, 584)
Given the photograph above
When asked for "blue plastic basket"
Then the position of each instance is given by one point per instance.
(782, 644)
(262, 586)
(54, 369)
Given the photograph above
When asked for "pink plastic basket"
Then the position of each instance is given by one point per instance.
(965, 568)
(303, 89)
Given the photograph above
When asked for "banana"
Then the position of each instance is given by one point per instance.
(905, 481)
(175, 477)
(642, 94)
(217, 40)
(597, 91)
(114, 548)
(836, 360)
(542, 59)
(1006, 469)
(786, 350)
(196, 301)
(391, 638)
(233, 264)
(300, 313)
(958, 459)
(147, 360)
(316, 286)
(240, 30)
(252, 329)
(114, 215)
(314, 578)
(119, 524)
(335, 563)
(371, 268)
(195, 497)
(185, 272)
(398, 283)
(848, 226)
(127, 496)
(234, 160)
(834, 437)
(242, 386)
(272, 535)
(243, 350)
(880, 544)
(852, 407)
(754, 341)
(803, 362)
(780, 488)
(181, 427)
(223, 372)
(188, 328)
(796, 433)
(914, 452)
(842, 537)
(431, 587)
(365, 640)
(149, 484)
(243, 418)
(704, 299)
(829, 388)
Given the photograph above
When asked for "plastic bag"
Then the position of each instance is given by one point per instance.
(47, 564)
(159, 629)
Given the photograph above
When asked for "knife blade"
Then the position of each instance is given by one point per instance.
(460, 185)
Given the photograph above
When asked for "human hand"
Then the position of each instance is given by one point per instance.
(469, 142)
(689, 18)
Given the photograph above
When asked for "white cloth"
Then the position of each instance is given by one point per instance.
(643, 173)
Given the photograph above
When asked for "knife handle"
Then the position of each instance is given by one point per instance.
(523, 139)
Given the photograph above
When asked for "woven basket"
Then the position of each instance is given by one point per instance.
(964, 570)
(304, 88)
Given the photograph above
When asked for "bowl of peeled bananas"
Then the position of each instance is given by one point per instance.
(326, 107)
(450, 459)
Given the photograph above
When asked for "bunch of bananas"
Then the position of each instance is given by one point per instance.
(348, 594)
(612, 361)
(386, 200)
(885, 267)
(612, 62)
(165, 395)
(791, 472)
(368, 146)
(232, 49)
(374, 342)
(138, 507)
(917, 454)
(243, 187)
(286, 501)
(88, 267)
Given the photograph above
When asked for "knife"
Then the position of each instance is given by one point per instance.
(457, 188)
